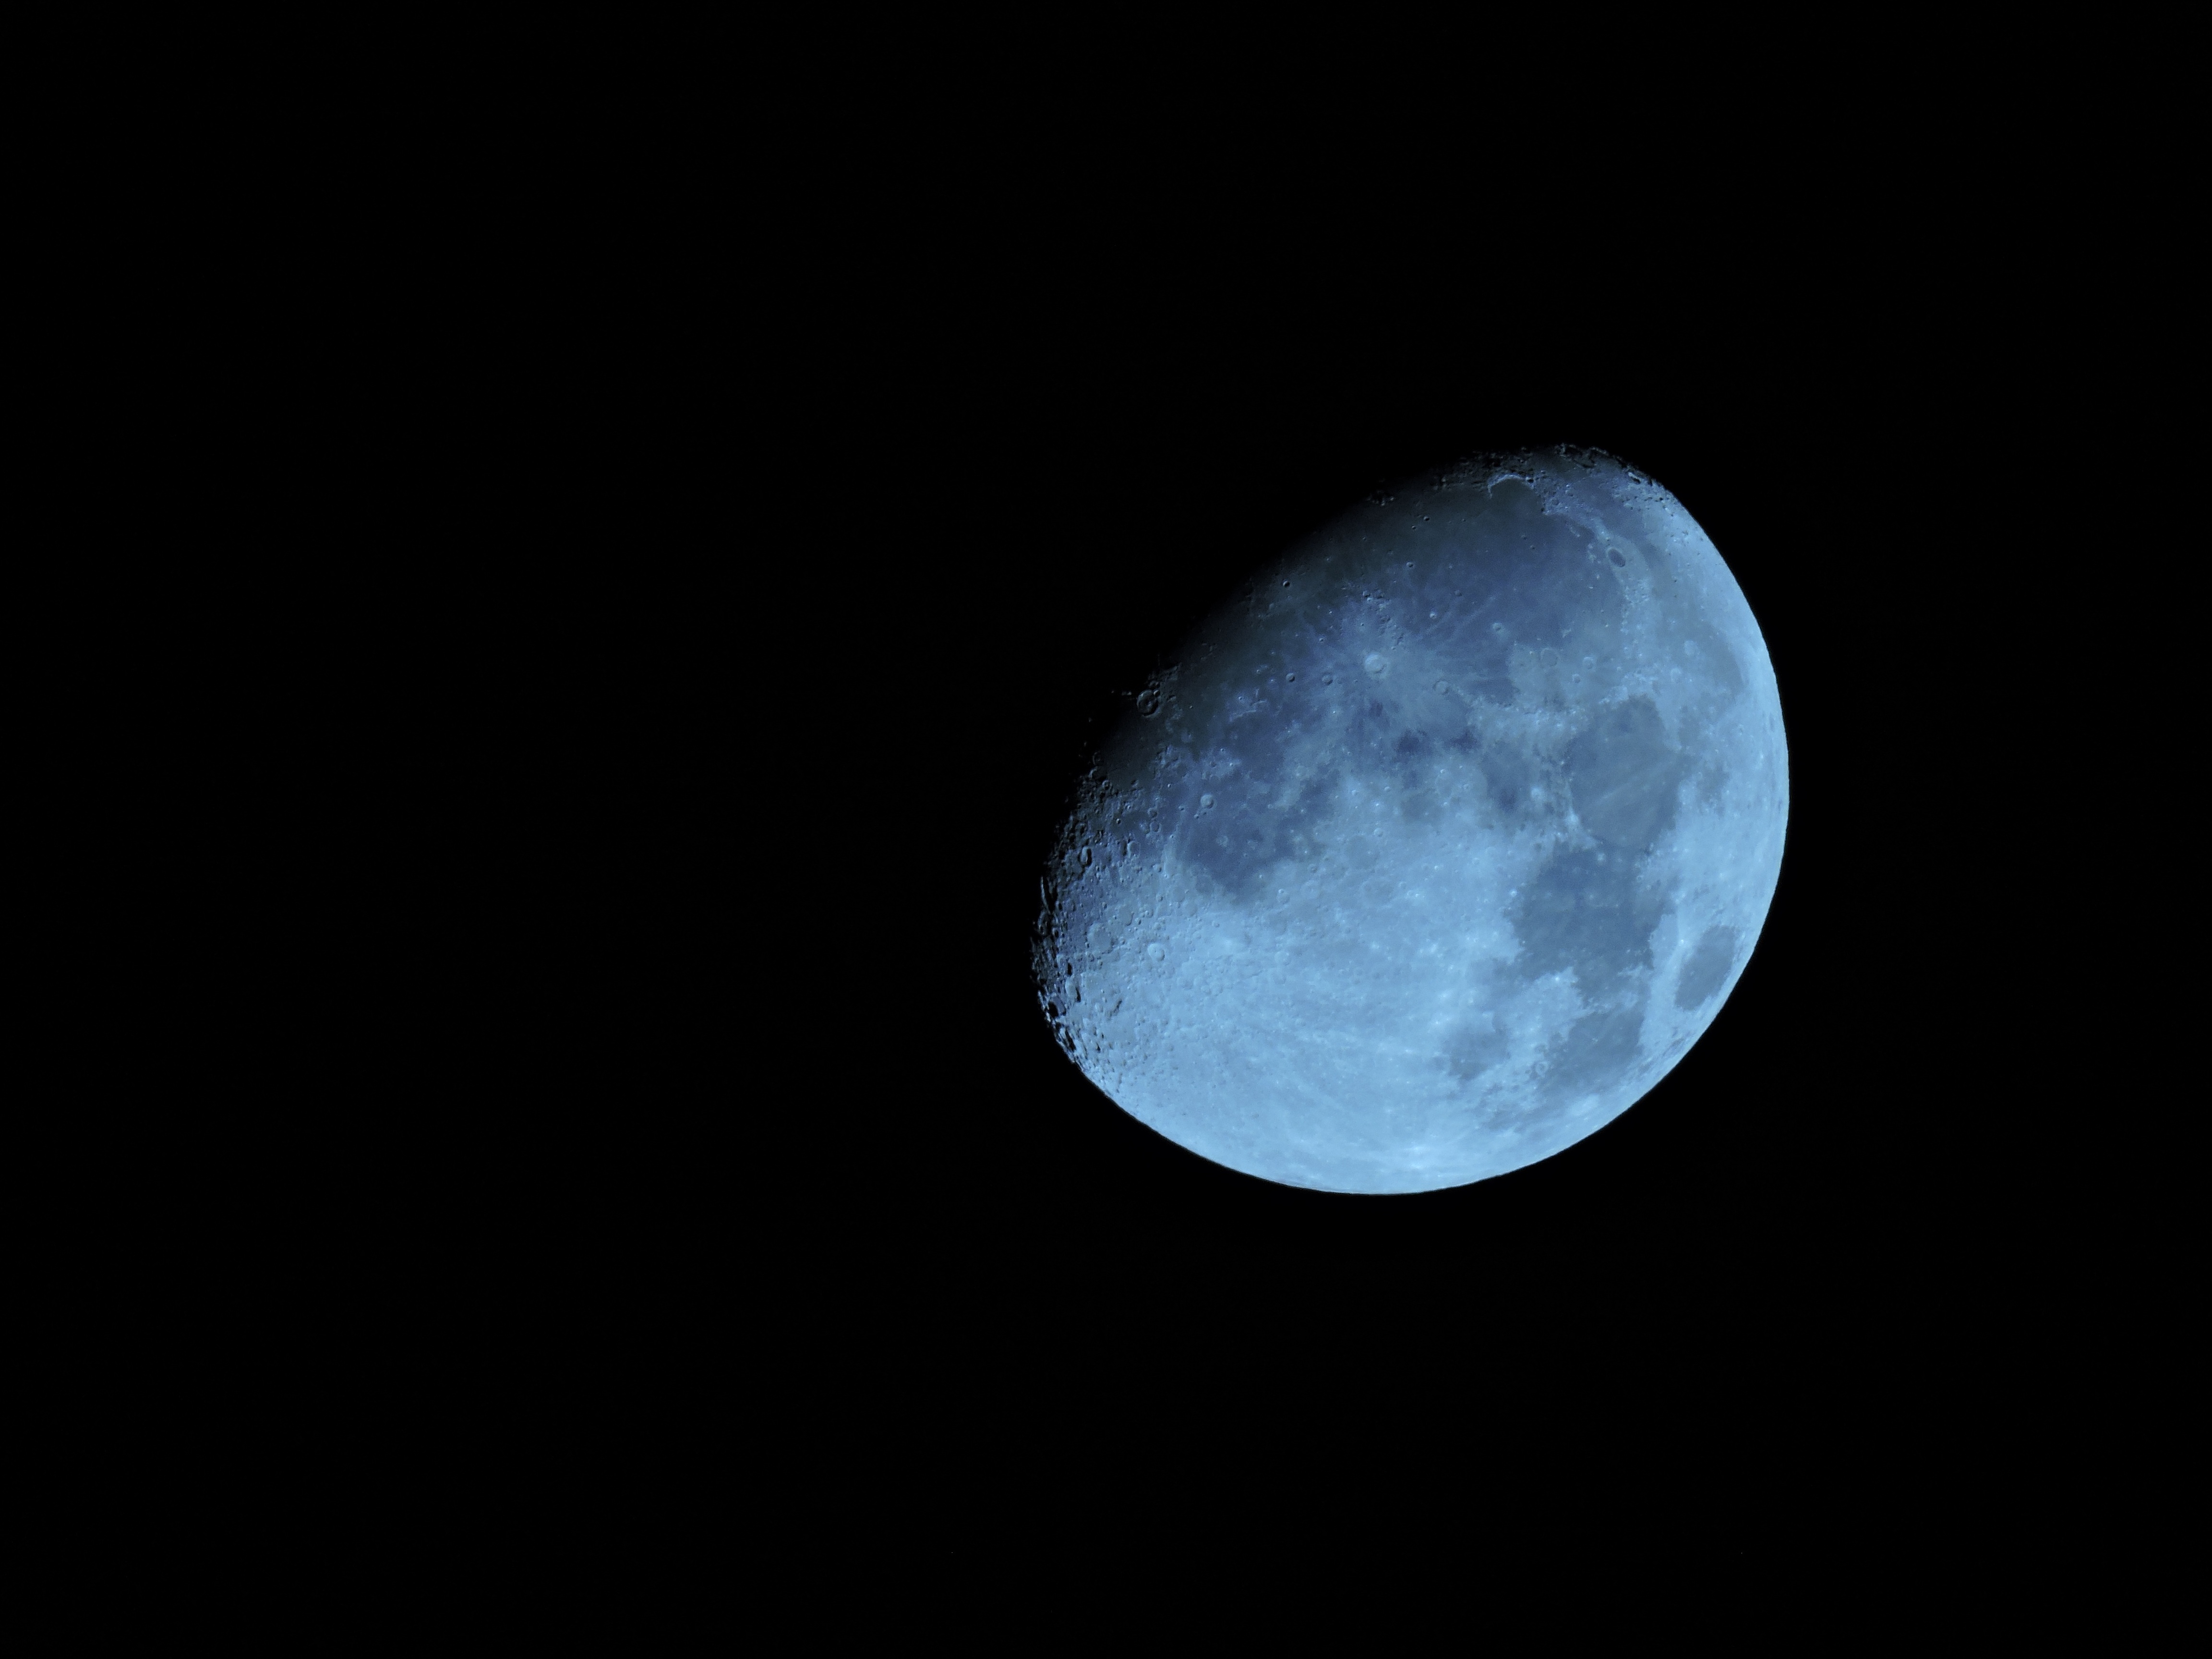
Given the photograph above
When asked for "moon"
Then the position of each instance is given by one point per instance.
(1436, 847)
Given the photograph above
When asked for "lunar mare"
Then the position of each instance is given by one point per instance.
(1435, 848)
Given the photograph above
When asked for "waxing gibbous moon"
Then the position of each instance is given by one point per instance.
(1437, 847)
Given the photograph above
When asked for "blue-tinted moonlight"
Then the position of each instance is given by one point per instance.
(1437, 847)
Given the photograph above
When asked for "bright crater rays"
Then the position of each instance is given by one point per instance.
(1438, 848)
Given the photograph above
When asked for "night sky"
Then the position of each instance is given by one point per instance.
(820, 609)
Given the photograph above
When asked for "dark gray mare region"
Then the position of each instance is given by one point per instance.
(1463, 597)
(1707, 967)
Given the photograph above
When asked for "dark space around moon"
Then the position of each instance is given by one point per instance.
(1103, 480)
(1120, 477)
(1000, 497)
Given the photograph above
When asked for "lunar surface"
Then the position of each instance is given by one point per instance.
(1437, 847)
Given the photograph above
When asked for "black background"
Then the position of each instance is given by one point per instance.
(1777, 1210)
(1025, 491)
(815, 611)
(626, 600)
